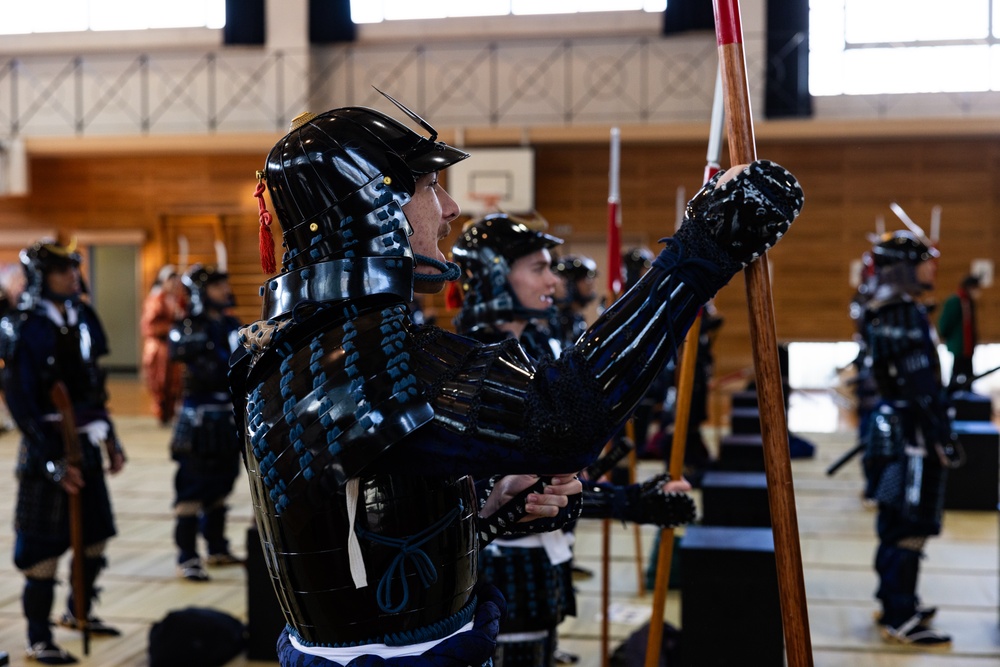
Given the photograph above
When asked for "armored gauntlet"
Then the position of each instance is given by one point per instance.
(644, 503)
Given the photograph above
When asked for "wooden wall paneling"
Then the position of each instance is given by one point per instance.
(245, 273)
(848, 180)
(847, 184)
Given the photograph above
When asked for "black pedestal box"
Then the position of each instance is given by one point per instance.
(730, 608)
(744, 420)
(974, 485)
(735, 499)
(971, 407)
(744, 399)
(741, 452)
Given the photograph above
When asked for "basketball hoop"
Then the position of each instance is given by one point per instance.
(490, 200)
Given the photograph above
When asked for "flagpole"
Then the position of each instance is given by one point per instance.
(774, 429)
(682, 411)
(614, 218)
(614, 289)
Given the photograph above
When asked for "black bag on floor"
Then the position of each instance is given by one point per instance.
(632, 651)
(195, 637)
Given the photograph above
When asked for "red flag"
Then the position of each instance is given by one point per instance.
(614, 219)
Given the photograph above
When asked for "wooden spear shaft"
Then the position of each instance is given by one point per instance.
(74, 457)
(774, 430)
(664, 556)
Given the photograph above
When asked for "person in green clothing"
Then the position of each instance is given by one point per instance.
(957, 327)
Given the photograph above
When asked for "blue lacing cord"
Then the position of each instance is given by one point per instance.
(449, 270)
(409, 548)
(434, 631)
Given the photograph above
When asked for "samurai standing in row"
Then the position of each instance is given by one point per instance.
(55, 338)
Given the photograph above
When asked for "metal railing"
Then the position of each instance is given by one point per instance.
(237, 89)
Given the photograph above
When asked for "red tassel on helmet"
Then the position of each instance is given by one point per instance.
(266, 239)
(453, 296)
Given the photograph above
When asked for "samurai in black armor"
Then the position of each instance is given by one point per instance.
(910, 444)
(205, 443)
(54, 337)
(508, 285)
(578, 275)
(364, 432)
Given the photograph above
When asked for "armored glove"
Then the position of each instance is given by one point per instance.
(747, 214)
(619, 450)
(644, 503)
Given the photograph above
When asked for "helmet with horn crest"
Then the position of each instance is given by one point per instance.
(338, 182)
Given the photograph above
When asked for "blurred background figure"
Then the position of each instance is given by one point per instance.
(576, 289)
(205, 442)
(163, 307)
(911, 445)
(957, 326)
(51, 345)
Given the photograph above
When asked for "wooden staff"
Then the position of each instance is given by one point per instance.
(685, 389)
(74, 458)
(664, 555)
(774, 430)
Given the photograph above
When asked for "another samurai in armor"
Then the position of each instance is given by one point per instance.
(508, 286)
(910, 444)
(205, 443)
(577, 290)
(363, 431)
(54, 338)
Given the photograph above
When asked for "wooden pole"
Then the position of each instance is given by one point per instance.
(633, 463)
(774, 429)
(664, 557)
(605, 592)
(74, 457)
(685, 388)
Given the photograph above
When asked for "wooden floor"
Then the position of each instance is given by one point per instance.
(959, 575)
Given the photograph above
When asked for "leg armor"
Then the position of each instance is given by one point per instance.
(213, 528)
(897, 568)
(186, 529)
(36, 601)
(91, 568)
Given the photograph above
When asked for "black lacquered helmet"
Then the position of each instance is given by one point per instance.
(902, 247)
(636, 262)
(41, 258)
(197, 279)
(338, 182)
(485, 251)
(573, 268)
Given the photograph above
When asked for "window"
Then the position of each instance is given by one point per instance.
(38, 16)
(376, 11)
(865, 47)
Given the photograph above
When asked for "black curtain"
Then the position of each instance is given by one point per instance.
(685, 15)
(787, 89)
(244, 22)
(330, 22)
